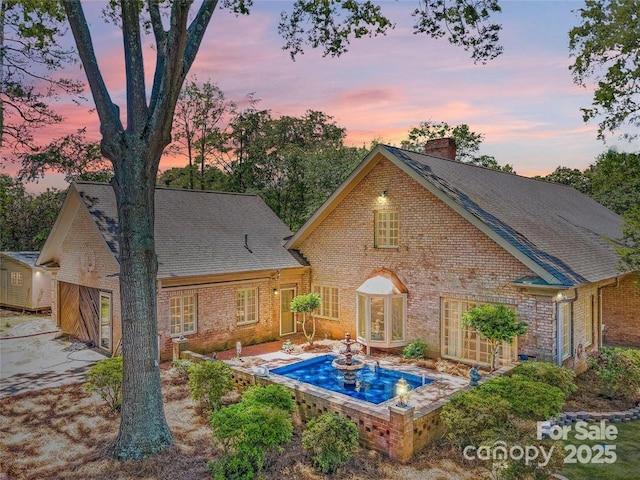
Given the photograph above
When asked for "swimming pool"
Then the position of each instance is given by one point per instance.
(373, 384)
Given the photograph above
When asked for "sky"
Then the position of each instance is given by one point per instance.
(524, 102)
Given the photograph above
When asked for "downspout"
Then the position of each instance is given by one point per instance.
(615, 284)
(559, 302)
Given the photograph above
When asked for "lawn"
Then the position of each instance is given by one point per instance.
(627, 450)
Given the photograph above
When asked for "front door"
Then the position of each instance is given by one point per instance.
(287, 317)
(105, 320)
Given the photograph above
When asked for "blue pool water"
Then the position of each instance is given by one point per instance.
(372, 386)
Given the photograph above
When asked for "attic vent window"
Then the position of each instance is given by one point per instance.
(387, 229)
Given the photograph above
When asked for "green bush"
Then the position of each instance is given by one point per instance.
(330, 440)
(474, 417)
(209, 382)
(417, 349)
(248, 432)
(528, 399)
(549, 373)
(105, 379)
(275, 396)
(181, 368)
(618, 373)
(631, 353)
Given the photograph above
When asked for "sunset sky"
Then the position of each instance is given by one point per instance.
(524, 102)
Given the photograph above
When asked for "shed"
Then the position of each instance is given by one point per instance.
(23, 285)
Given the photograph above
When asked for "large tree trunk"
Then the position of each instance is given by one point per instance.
(143, 428)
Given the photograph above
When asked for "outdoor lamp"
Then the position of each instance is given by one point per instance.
(275, 291)
(402, 391)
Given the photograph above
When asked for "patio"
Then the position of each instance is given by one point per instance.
(394, 430)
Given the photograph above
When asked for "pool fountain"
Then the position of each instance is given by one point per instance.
(350, 376)
(348, 364)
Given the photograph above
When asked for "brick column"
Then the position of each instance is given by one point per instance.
(401, 433)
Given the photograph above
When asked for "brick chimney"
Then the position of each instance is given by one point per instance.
(441, 147)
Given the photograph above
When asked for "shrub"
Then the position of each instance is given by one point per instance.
(549, 373)
(618, 373)
(528, 399)
(474, 417)
(105, 379)
(417, 349)
(181, 368)
(275, 396)
(247, 432)
(496, 323)
(307, 304)
(330, 440)
(209, 382)
(631, 353)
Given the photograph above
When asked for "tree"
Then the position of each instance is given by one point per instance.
(615, 180)
(307, 304)
(629, 249)
(572, 177)
(72, 155)
(496, 323)
(135, 150)
(26, 220)
(606, 49)
(467, 143)
(28, 38)
(198, 130)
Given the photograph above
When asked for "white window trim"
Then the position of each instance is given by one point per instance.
(565, 317)
(195, 315)
(388, 334)
(375, 233)
(322, 310)
(257, 305)
(513, 346)
(588, 321)
(17, 279)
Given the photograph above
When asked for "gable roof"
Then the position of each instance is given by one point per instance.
(562, 235)
(26, 258)
(199, 232)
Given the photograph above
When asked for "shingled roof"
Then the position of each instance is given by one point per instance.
(564, 236)
(201, 232)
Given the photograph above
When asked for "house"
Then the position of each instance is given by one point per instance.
(411, 241)
(223, 272)
(23, 285)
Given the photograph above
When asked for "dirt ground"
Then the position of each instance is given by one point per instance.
(64, 433)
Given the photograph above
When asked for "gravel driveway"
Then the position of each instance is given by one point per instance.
(32, 358)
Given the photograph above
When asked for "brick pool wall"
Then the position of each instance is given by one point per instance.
(397, 432)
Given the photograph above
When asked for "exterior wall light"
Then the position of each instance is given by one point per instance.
(275, 291)
(402, 391)
(383, 194)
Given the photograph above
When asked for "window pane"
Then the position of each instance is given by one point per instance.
(189, 313)
(397, 318)
(377, 318)
(175, 315)
(361, 316)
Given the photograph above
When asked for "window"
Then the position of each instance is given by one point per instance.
(329, 307)
(564, 310)
(588, 321)
(387, 229)
(465, 344)
(382, 319)
(183, 314)
(247, 305)
(16, 279)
